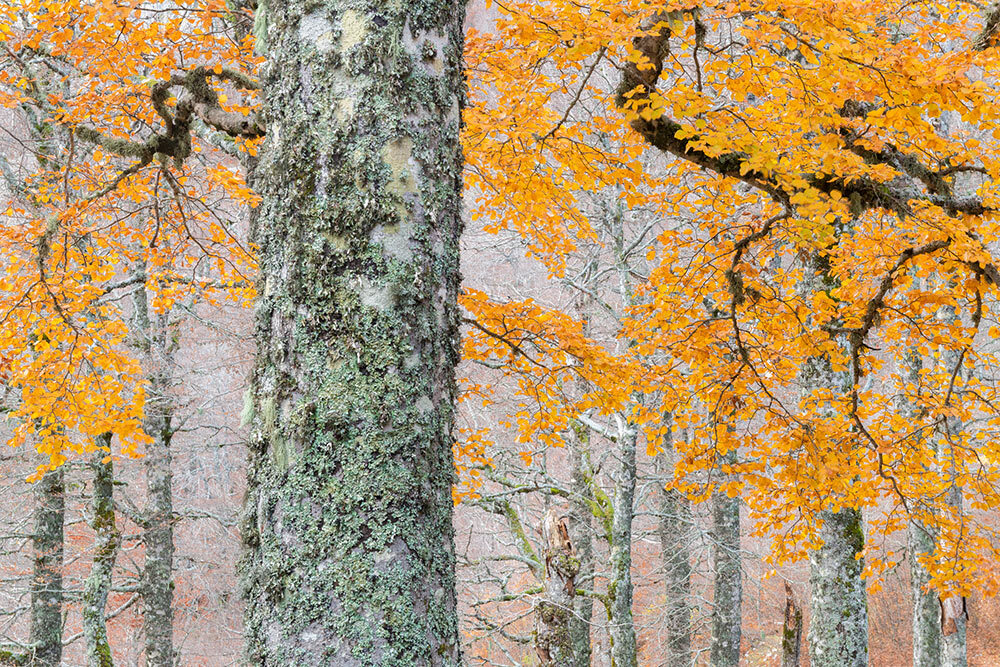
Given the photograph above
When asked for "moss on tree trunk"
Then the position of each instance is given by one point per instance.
(347, 520)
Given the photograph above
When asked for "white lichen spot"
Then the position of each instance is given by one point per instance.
(395, 239)
(411, 361)
(353, 28)
(315, 29)
(375, 296)
(345, 109)
(424, 405)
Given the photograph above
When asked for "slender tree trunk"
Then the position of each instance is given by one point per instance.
(927, 648)
(157, 588)
(791, 631)
(728, 598)
(348, 515)
(47, 584)
(581, 528)
(623, 645)
(676, 522)
(106, 542)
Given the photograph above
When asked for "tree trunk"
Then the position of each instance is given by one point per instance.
(581, 528)
(838, 625)
(157, 589)
(623, 646)
(47, 584)
(728, 597)
(676, 522)
(791, 631)
(553, 641)
(106, 542)
(926, 610)
(348, 515)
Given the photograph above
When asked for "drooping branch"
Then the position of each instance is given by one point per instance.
(638, 88)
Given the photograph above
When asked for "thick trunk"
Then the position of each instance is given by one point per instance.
(728, 596)
(47, 583)
(838, 624)
(623, 646)
(676, 523)
(106, 542)
(347, 523)
(581, 528)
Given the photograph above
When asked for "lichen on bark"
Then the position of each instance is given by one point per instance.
(347, 520)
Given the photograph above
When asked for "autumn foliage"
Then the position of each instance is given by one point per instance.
(826, 178)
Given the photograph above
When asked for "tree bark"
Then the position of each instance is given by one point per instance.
(838, 625)
(106, 542)
(676, 522)
(158, 346)
(553, 641)
(47, 585)
(581, 519)
(728, 598)
(791, 631)
(623, 645)
(348, 513)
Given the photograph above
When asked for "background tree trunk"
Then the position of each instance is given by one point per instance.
(791, 631)
(47, 584)
(157, 588)
(106, 542)
(623, 648)
(728, 598)
(675, 529)
(350, 556)
(581, 529)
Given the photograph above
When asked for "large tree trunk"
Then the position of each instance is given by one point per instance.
(47, 583)
(728, 596)
(106, 542)
(675, 529)
(350, 556)
(838, 624)
(623, 645)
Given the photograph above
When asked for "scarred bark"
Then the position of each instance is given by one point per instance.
(347, 518)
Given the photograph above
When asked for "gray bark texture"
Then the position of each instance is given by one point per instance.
(347, 521)
(159, 346)
(107, 539)
(838, 623)
(838, 602)
(623, 645)
(553, 641)
(791, 631)
(47, 584)
(581, 528)
(675, 531)
(728, 598)
(926, 610)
